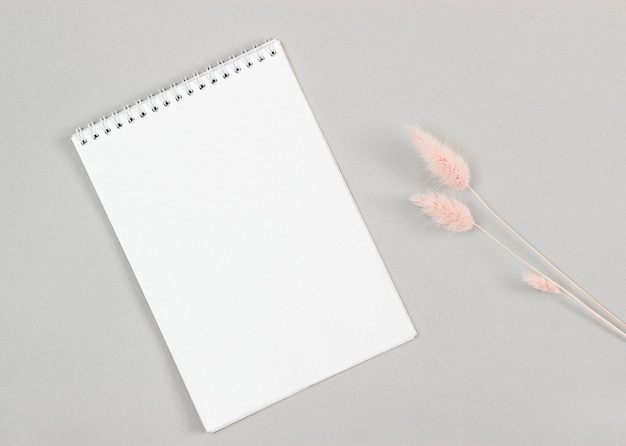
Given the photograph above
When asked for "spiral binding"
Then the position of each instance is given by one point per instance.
(176, 92)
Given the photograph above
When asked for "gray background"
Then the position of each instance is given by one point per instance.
(534, 92)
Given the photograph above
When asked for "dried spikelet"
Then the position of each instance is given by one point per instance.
(447, 212)
(541, 283)
(443, 162)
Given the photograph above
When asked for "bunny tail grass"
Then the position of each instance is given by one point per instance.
(541, 282)
(443, 162)
(447, 212)
(451, 170)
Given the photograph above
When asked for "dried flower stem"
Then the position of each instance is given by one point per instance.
(563, 290)
(548, 262)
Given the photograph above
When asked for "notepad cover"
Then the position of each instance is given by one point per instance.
(244, 238)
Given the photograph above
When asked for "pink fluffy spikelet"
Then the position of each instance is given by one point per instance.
(541, 283)
(443, 162)
(447, 212)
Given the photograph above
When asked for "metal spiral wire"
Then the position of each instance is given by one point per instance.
(165, 97)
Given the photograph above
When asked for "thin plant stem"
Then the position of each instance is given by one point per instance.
(595, 313)
(548, 262)
(563, 290)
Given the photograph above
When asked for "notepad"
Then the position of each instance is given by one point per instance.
(243, 235)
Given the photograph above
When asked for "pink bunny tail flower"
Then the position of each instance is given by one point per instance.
(447, 212)
(541, 283)
(443, 162)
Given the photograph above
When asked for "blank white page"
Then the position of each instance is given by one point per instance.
(243, 237)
